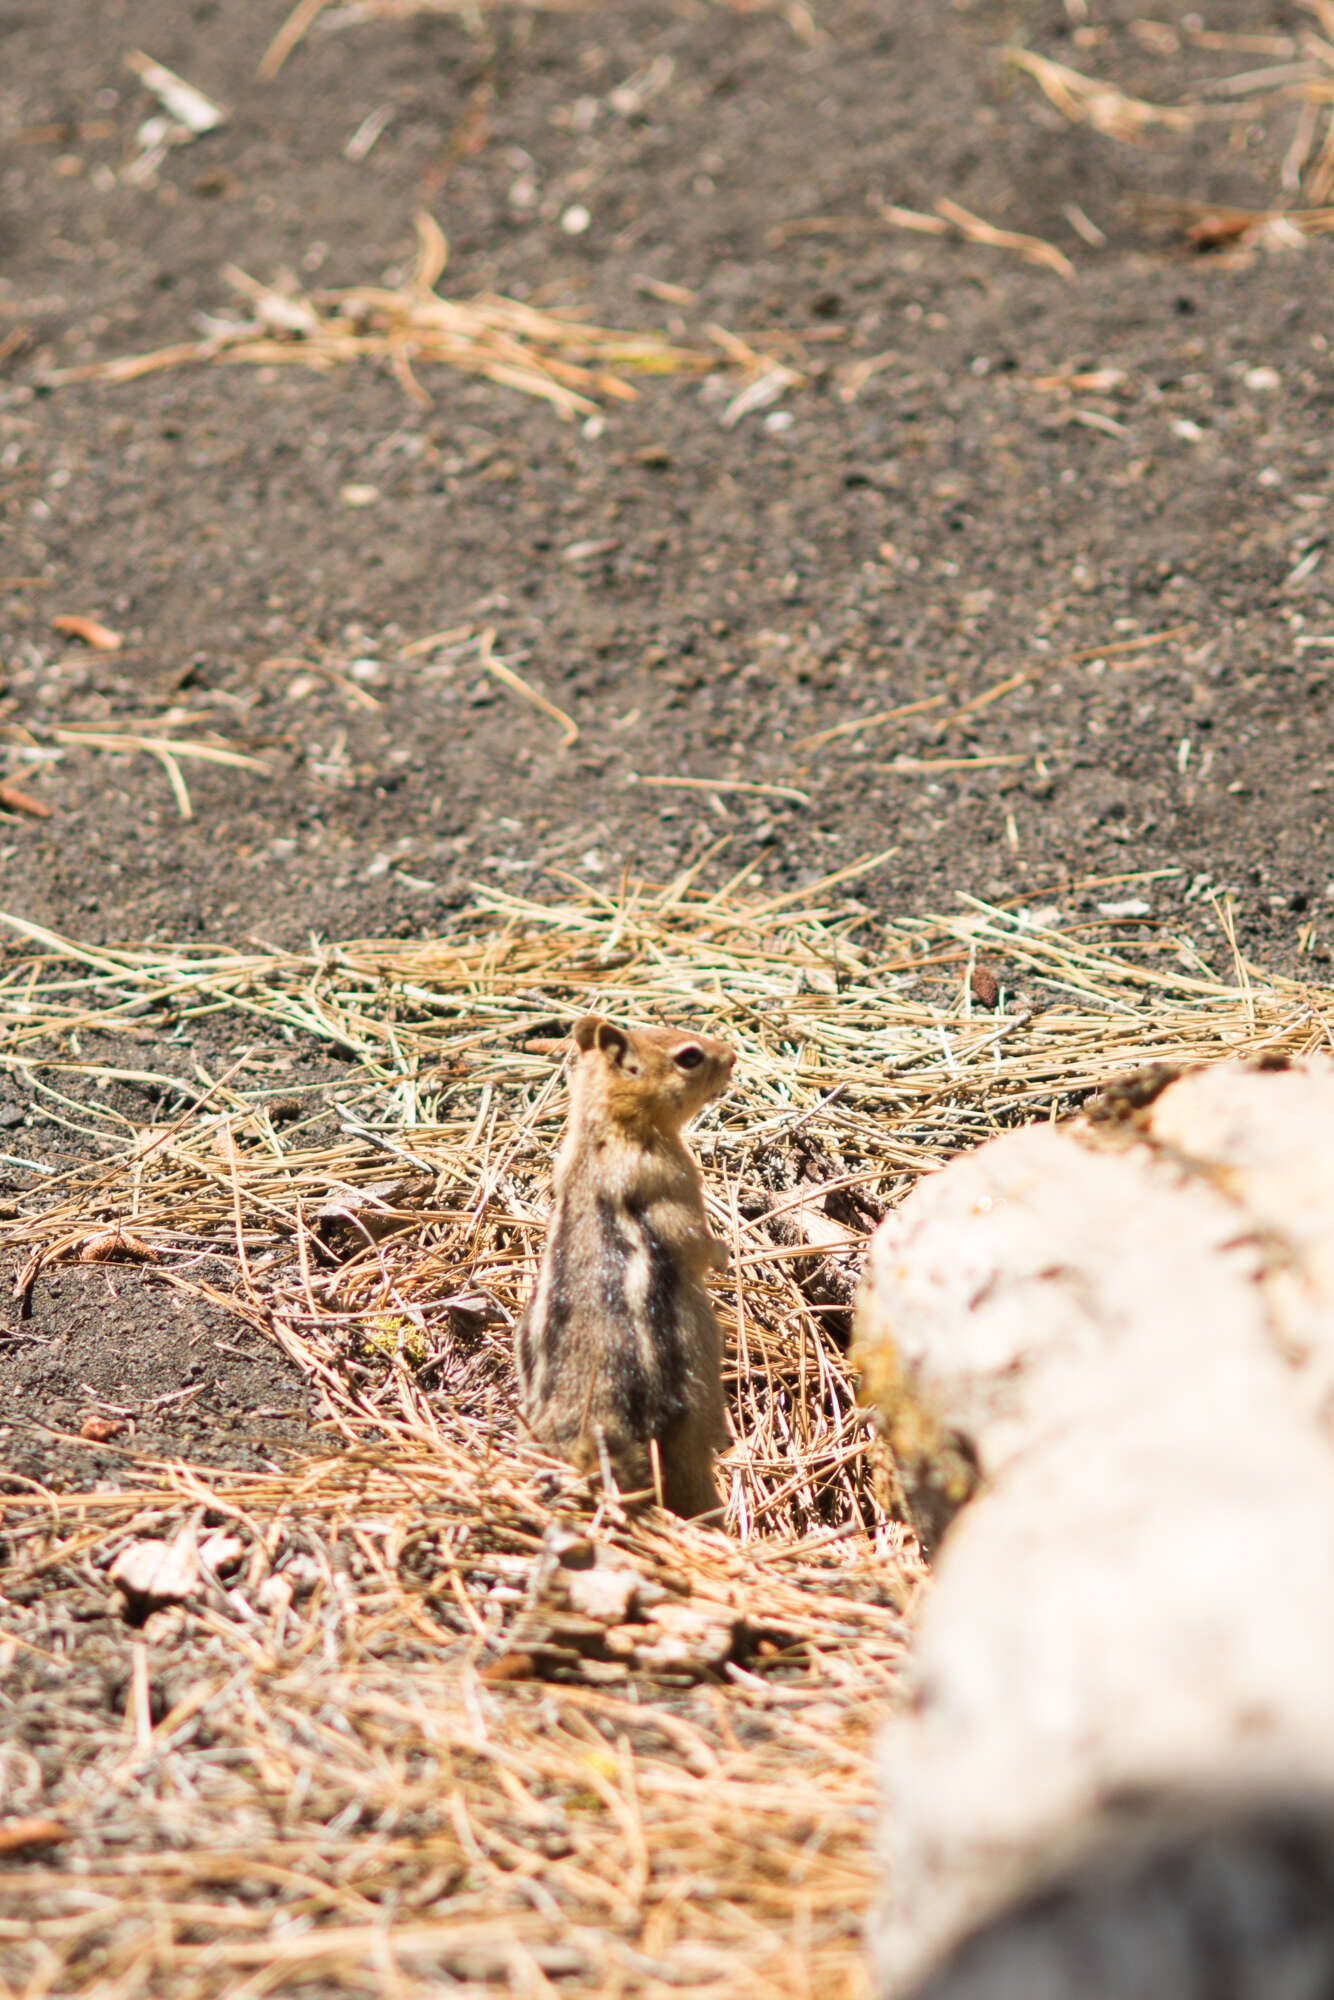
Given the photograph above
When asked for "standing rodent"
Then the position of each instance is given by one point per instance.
(618, 1351)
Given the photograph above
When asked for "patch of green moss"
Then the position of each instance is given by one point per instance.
(391, 1334)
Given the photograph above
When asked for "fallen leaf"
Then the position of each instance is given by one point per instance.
(19, 1833)
(158, 1572)
(510, 1667)
(364, 1213)
(101, 1429)
(1219, 226)
(21, 1778)
(89, 630)
(602, 1593)
(16, 801)
(986, 988)
(274, 1594)
(217, 1550)
(116, 1246)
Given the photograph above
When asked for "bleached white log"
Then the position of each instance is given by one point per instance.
(1132, 1334)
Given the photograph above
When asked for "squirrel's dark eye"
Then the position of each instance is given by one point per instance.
(689, 1057)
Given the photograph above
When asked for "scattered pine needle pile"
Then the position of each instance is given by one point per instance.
(418, 1708)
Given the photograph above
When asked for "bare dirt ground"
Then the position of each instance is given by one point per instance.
(1070, 526)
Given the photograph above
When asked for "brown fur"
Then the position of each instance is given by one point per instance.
(618, 1352)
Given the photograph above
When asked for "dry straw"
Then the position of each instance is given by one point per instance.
(1304, 76)
(566, 362)
(1087, 100)
(472, 14)
(428, 1711)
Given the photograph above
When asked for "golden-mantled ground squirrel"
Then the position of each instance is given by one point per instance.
(618, 1352)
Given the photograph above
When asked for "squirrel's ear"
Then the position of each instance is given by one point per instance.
(595, 1033)
(613, 1042)
(585, 1032)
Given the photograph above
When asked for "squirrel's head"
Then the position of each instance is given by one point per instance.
(663, 1075)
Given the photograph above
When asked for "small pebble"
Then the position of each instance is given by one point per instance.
(576, 219)
(356, 495)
